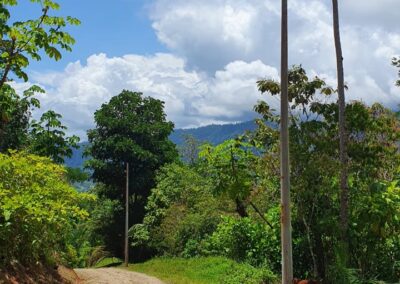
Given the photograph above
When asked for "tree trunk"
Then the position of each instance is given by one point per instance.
(126, 247)
(320, 254)
(241, 208)
(310, 246)
(286, 236)
(344, 189)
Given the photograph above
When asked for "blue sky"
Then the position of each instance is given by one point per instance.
(203, 57)
(115, 27)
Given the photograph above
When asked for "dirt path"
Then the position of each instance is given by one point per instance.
(114, 276)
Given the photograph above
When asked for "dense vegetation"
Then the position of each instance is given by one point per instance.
(212, 216)
(130, 130)
(38, 206)
(227, 202)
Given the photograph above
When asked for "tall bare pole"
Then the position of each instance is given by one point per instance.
(344, 189)
(127, 215)
(286, 235)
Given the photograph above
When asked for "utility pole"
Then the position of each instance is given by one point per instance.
(127, 215)
(286, 235)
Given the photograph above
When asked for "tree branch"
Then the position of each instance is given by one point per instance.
(260, 214)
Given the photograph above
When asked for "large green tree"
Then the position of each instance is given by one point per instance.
(130, 129)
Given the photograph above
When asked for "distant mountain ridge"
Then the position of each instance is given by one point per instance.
(214, 134)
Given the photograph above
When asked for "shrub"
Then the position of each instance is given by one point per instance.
(181, 211)
(243, 239)
(37, 208)
(245, 273)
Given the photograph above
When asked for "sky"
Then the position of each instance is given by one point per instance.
(203, 57)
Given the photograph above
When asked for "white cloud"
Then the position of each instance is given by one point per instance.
(218, 50)
(191, 98)
(197, 31)
(372, 13)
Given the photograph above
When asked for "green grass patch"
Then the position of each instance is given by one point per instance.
(204, 270)
(108, 262)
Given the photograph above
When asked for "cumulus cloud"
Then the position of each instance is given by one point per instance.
(218, 50)
(375, 13)
(191, 98)
(201, 32)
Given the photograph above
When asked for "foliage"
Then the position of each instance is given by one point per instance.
(203, 270)
(15, 115)
(376, 229)
(130, 129)
(231, 167)
(250, 275)
(396, 63)
(189, 150)
(180, 220)
(181, 211)
(95, 229)
(246, 240)
(85, 241)
(38, 208)
(24, 40)
(48, 138)
(373, 160)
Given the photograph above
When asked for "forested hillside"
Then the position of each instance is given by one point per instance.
(213, 134)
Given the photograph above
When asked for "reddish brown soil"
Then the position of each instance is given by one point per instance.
(34, 274)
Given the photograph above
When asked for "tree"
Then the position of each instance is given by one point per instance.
(189, 151)
(286, 237)
(232, 167)
(301, 93)
(315, 172)
(15, 113)
(22, 41)
(396, 63)
(180, 212)
(48, 138)
(129, 129)
(344, 187)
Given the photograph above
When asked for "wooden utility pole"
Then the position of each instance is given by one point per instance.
(127, 216)
(286, 234)
(344, 188)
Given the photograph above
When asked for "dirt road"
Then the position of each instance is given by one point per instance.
(114, 276)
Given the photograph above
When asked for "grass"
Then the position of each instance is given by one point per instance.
(108, 262)
(204, 270)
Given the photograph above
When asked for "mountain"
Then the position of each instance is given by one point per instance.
(214, 134)
(77, 159)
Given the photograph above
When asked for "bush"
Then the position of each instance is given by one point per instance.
(181, 212)
(243, 239)
(37, 208)
(245, 273)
